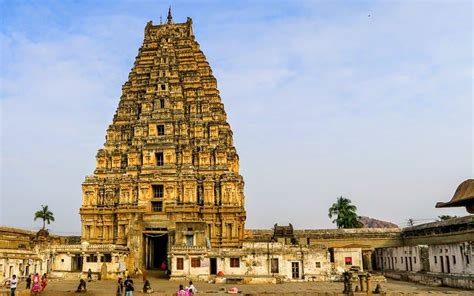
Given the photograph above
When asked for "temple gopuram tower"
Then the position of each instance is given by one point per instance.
(168, 173)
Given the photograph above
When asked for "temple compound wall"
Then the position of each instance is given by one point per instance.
(24, 252)
(253, 263)
(105, 261)
(439, 253)
(19, 255)
(282, 254)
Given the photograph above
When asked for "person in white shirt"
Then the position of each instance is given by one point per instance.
(13, 284)
(191, 288)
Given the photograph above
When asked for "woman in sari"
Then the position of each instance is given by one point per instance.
(44, 281)
(36, 288)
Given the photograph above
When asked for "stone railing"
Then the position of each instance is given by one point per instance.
(82, 248)
(188, 248)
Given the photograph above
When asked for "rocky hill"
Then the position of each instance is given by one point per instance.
(374, 223)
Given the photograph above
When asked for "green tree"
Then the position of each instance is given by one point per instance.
(45, 214)
(345, 213)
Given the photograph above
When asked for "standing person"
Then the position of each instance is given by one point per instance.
(13, 283)
(44, 281)
(163, 265)
(36, 284)
(89, 275)
(129, 287)
(119, 287)
(191, 288)
(28, 282)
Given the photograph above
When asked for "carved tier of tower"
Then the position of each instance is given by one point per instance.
(169, 155)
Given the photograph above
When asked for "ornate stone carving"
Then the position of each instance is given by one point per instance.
(170, 84)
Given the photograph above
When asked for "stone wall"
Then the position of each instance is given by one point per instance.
(456, 258)
(254, 259)
(407, 258)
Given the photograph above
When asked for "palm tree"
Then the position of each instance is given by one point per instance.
(345, 212)
(44, 214)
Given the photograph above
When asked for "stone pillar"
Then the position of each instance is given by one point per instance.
(84, 259)
(368, 256)
(362, 282)
(147, 253)
(369, 284)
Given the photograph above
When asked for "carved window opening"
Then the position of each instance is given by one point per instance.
(92, 258)
(125, 162)
(454, 259)
(157, 206)
(163, 87)
(160, 129)
(107, 258)
(179, 263)
(414, 259)
(195, 262)
(235, 262)
(158, 191)
(88, 231)
(162, 103)
(229, 231)
(159, 158)
(275, 265)
(189, 240)
(435, 259)
(318, 264)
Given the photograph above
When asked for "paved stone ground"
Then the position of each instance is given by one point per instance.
(164, 287)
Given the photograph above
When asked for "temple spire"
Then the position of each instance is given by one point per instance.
(170, 17)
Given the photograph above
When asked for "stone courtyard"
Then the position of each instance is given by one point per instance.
(165, 287)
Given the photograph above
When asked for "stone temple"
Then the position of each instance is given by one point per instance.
(166, 199)
(168, 173)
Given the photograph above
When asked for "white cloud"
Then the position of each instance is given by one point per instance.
(323, 102)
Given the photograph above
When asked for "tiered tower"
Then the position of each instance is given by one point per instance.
(169, 155)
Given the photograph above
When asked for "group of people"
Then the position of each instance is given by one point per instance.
(125, 286)
(185, 291)
(39, 283)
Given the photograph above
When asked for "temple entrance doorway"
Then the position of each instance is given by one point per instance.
(76, 263)
(156, 251)
(213, 266)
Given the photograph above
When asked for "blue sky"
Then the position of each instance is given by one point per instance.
(324, 100)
